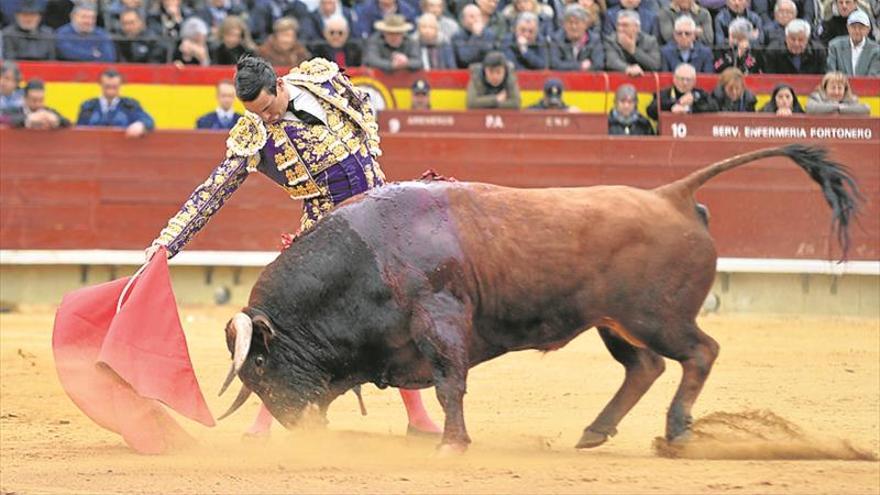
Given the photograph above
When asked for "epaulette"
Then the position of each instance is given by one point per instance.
(246, 138)
(317, 70)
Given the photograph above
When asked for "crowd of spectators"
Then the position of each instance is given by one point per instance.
(631, 36)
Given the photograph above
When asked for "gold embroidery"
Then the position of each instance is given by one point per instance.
(247, 137)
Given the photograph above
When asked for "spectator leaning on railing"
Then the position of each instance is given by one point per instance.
(683, 96)
(731, 93)
(574, 47)
(684, 48)
(523, 46)
(796, 54)
(26, 39)
(629, 50)
(493, 84)
(11, 94)
(783, 102)
(855, 54)
(336, 44)
(113, 110)
(34, 114)
(81, 40)
(233, 41)
(834, 95)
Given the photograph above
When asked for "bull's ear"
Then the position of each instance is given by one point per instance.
(263, 325)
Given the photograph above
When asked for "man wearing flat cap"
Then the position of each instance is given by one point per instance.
(26, 39)
(389, 48)
(855, 54)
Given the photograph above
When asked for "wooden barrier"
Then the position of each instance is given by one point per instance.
(764, 126)
(95, 189)
(493, 122)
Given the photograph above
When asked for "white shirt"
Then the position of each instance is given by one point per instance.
(303, 100)
(107, 106)
(225, 115)
(857, 52)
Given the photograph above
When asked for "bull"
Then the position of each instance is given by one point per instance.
(412, 284)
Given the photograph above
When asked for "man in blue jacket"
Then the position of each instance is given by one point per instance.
(224, 117)
(112, 110)
(82, 40)
(684, 48)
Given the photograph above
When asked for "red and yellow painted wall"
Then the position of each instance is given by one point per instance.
(176, 97)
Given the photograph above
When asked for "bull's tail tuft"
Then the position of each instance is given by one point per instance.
(838, 186)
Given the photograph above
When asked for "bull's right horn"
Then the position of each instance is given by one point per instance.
(242, 330)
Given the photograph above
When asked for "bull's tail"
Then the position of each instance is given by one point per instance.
(839, 187)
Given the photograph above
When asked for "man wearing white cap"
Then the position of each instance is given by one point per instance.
(855, 55)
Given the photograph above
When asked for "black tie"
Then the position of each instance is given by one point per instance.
(304, 116)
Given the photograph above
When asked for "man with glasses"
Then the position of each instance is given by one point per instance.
(683, 96)
(336, 44)
(685, 49)
(667, 16)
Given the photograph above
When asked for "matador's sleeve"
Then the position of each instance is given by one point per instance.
(245, 141)
(362, 102)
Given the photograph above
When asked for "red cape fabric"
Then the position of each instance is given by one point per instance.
(116, 366)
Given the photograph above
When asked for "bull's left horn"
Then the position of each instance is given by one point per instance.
(243, 395)
(243, 330)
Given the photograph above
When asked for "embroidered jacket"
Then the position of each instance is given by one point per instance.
(321, 164)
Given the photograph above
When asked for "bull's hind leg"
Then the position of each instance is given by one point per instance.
(696, 352)
(643, 366)
(441, 328)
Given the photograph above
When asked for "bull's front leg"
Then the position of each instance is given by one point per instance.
(441, 329)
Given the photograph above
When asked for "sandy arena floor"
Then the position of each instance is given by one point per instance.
(525, 411)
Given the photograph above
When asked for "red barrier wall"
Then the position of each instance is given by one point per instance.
(82, 189)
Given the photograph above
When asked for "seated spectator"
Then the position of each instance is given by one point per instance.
(313, 25)
(433, 53)
(336, 45)
(523, 46)
(683, 96)
(630, 50)
(702, 20)
(282, 48)
(474, 41)
(111, 10)
(783, 102)
(834, 95)
(421, 95)
(625, 119)
(493, 84)
(838, 23)
(26, 39)
(167, 19)
(739, 53)
(265, 13)
(731, 93)
(81, 40)
(737, 9)
(193, 47)
(492, 18)
(448, 26)
(543, 12)
(136, 44)
(783, 13)
(574, 47)
(112, 110)
(685, 49)
(11, 94)
(224, 116)
(234, 41)
(214, 12)
(552, 99)
(796, 54)
(389, 49)
(34, 114)
(855, 55)
(647, 16)
(370, 12)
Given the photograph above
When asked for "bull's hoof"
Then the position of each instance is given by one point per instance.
(451, 449)
(681, 439)
(591, 439)
(413, 431)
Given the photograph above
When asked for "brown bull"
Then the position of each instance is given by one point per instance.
(411, 285)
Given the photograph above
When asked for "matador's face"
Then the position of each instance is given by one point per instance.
(270, 108)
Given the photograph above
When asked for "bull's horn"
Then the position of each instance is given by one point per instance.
(228, 379)
(242, 330)
(243, 395)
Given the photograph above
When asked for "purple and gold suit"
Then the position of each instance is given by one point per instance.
(321, 164)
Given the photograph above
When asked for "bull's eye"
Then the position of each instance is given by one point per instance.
(259, 361)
